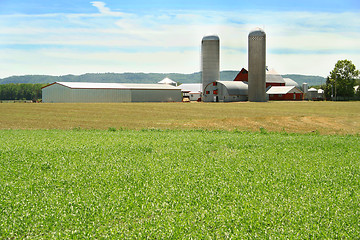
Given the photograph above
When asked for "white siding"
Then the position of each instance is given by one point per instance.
(60, 94)
(227, 91)
(56, 94)
(155, 95)
(100, 95)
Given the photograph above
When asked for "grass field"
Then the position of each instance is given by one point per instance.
(178, 170)
(178, 184)
(301, 117)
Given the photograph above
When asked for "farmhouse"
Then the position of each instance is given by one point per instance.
(86, 92)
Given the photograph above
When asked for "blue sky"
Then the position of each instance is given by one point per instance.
(77, 36)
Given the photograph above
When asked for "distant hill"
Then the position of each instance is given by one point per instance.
(310, 80)
(143, 78)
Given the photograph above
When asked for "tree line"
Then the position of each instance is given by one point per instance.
(21, 91)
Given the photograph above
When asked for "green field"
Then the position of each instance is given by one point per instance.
(178, 184)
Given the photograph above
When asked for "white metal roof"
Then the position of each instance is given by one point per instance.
(235, 87)
(92, 85)
(312, 90)
(283, 90)
(274, 77)
(290, 82)
(167, 81)
(191, 87)
(148, 86)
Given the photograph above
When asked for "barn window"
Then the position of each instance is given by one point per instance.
(214, 83)
(280, 95)
(207, 92)
(215, 92)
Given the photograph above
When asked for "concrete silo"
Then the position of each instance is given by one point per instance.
(210, 60)
(257, 66)
(305, 87)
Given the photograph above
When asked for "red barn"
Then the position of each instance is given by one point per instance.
(272, 77)
(275, 85)
(242, 75)
(285, 93)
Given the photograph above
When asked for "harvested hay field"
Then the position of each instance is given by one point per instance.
(299, 117)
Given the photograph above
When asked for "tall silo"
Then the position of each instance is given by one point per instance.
(257, 66)
(305, 87)
(210, 60)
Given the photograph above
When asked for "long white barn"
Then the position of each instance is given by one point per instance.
(86, 92)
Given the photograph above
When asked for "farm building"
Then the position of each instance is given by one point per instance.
(315, 94)
(191, 90)
(243, 75)
(273, 78)
(290, 82)
(234, 91)
(237, 90)
(168, 81)
(285, 93)
(85, 92)
(226, 91)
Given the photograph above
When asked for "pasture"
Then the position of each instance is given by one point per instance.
(300, 117)
(177, 184)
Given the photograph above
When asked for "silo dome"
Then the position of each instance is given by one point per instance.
(258, 32)
(211, 37)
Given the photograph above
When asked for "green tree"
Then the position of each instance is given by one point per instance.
(341, 81)
(20, 91)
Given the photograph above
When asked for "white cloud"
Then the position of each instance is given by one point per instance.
(297, 42)
(62, 62)
(105, 10)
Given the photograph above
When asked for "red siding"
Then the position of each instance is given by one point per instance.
(242, 75)
(268, 84)
(288, 96)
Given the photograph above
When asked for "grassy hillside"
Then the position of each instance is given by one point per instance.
(142, 78)
(91, 184)
(303, 117)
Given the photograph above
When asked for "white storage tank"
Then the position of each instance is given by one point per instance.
(257, 65)
(305, 87)
(210, 60)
